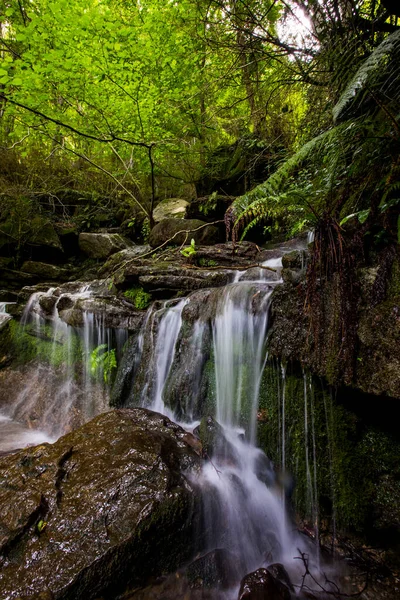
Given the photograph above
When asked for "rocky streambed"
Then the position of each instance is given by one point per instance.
(117, 504)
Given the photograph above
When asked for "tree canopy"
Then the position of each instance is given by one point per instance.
(131, 100)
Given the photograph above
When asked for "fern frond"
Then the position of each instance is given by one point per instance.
(265, 200)
(380, 74)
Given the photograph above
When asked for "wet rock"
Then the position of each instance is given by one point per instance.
(187, 390)
(126, 373)
(44, 241)
(169, 229)
(13, 279)
(36, 396)
(229, 254)
(112, 312)
(258, 273)
(117, 260)
(171, 208)
(8, 296)
(178, 281)
(102, 245)
(105, 507)
(213, 440)
(279, 572)
(293, 276)
(165, 280)
(296, 259)
(262, 585)
(4, 319)
(69, 238)
(217, 569)
(44, 271)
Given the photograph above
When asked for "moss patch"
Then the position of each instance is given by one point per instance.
(139, 298)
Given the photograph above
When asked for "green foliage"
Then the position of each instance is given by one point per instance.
(41, 525)
(189, 251)
(207, 262)
(209, 205)
(376, 79)
(138, 297)
(28, 344)
(146, 231)
(103, 361)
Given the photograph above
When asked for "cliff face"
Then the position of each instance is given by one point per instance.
(374, 364)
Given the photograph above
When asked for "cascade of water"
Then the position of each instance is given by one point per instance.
(239, 352)
(283, 454)
(68, 382)
(316, 508)
(309, 484)
(243, 508)
(163, 352)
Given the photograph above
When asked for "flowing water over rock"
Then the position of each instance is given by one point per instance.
(244, 509)
(195, 360)
(65, 371)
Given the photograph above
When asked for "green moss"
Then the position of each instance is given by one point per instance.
(352, 480)
(138, 297)
(25, 345)
(205, 262)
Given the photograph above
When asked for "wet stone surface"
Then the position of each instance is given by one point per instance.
(97, 510)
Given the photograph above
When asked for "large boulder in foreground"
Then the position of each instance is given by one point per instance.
(102, 245)
(181, 231)
(105, 507)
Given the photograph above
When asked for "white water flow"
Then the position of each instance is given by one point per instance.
(243, 510)
(65, 384)
(168, 332)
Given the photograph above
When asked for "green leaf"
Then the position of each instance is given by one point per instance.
(362, 216)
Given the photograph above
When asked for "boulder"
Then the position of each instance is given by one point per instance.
(166, 279)
(119, 259)
(213, 440)
(102, 245)
(171, 208)
(278, 571)
(243, 254)
(216, 569)
(10, 278)
(112, 312)
(262, 585)
(104, 508)
(296, 259)
(181, 231)
(127, 369)
(4, 319)
(45, 236)
(44, 271)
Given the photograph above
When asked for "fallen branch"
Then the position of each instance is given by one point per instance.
(335, 593)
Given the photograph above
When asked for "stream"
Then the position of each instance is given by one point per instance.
(244, 498)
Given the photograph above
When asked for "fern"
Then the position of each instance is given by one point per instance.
(379, 74)
(281, 196)
(103, 361)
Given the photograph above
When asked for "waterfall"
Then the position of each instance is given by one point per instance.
(214, 340)
(244, 508)
(67, 368)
